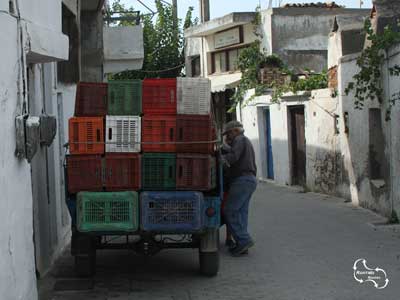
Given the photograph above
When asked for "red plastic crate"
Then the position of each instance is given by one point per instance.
(195, 134)
(122, 172)
(195, 172)
(159, 96)
(159, 134)
(84, 173)
(91, 99)
(86, 135)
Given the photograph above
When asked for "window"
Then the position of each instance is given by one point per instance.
(232, 58)
(196, 67)
(224, 61)
(220, 62)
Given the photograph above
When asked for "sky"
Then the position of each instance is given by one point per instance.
(219, 8)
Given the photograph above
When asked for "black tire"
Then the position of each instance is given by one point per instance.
(209, 263)
(85, 265)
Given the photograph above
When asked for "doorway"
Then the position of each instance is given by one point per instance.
(270, 160)
(297, 144)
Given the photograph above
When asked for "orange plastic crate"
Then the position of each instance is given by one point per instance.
(159, 134)
(86, 135)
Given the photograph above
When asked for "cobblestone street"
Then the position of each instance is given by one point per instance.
(306, 245)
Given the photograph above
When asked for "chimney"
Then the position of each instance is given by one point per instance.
(204, 10)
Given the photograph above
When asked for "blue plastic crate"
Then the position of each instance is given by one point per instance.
(212, 212)
(171, 212)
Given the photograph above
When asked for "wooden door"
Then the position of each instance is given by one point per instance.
(298, 145)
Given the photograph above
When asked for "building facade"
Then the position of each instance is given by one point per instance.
(319, 140)
(48, 47)
(298, 35)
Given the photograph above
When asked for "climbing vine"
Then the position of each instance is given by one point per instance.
(310, 82)
(249, 62)
(367, 82)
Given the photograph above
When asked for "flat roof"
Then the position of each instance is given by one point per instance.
(220, 24)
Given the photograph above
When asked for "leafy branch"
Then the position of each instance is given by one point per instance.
(367, 82)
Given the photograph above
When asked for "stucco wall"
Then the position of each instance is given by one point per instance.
(334, 49)
(42, 13)
(17, 265)
(300, 35)
(51, 220)
(355, 146)
(391, 88)
(323, 167)
(323, 160)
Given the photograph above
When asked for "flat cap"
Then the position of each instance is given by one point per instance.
(232, 125)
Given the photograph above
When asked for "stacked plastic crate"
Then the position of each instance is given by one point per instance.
(178, 144)
(104, 140)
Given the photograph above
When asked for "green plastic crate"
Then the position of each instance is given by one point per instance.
(158, 171)
(107, 212)
(124, 98)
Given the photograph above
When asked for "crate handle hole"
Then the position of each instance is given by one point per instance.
(181, 134)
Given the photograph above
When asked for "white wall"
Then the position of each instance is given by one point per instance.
(17, 265)
(30, 220)
(323, 161)
(394, 131)
(355, 146)
(323, 167)
(42, 13)
(334, 49)
(51, 220)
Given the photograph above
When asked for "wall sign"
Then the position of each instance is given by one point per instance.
(227, 38)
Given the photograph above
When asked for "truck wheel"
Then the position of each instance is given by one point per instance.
(209, 263)
(85, 265)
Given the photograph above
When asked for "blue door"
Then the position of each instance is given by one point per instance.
(270, 160)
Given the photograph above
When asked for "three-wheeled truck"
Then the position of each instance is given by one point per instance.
(146, 222)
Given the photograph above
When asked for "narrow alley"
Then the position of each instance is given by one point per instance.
(306, 246)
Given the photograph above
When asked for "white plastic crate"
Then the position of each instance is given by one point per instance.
(194, 96)
(123, 134)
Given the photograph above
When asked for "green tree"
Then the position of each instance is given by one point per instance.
(163, 44)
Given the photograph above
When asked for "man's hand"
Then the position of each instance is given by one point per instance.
(225, 148)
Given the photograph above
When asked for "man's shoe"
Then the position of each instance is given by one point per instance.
(243, 249)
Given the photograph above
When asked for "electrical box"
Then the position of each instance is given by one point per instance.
(32, 138)
(48, 129)
(20, 149)
(27, 133)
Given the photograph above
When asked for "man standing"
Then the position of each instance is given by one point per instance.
(242, 172)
